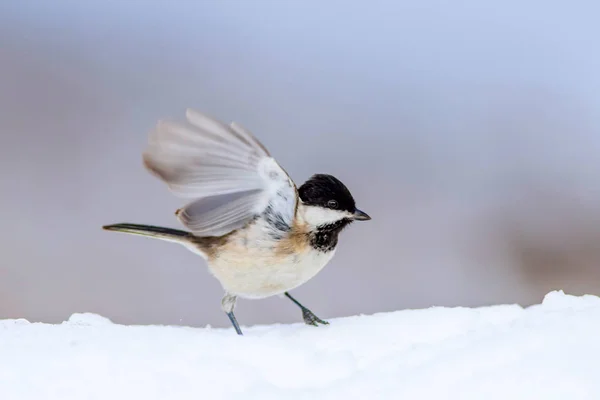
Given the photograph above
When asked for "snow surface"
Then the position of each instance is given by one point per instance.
(548, 351)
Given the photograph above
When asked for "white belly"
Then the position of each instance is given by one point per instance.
(252, 271)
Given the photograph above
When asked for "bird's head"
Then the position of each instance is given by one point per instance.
(326, 201)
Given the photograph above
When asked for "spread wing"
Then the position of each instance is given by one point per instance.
(224, 168)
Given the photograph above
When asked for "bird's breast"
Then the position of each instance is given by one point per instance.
(256, 264)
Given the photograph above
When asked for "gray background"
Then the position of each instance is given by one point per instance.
(467, 129)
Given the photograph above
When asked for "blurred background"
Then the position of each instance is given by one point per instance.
(468, 130)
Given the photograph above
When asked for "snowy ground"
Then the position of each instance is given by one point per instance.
(549, 351)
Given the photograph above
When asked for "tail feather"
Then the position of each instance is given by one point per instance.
(158, 232)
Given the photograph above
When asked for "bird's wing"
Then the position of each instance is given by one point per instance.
(224, 168)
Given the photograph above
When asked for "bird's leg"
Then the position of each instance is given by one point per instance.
(228, 304)
(309, 317)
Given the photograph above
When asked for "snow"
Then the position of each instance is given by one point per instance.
(547, 351)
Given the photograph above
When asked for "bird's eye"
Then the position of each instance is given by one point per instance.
(332, 204)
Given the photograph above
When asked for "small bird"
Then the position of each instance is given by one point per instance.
(260, 235)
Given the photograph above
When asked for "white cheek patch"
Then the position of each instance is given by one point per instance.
(316, 216)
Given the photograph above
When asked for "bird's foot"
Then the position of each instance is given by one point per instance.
(312, 319)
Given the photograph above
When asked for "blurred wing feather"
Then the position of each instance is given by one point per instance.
(228, 172)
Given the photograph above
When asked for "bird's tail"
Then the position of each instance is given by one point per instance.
(157, 232)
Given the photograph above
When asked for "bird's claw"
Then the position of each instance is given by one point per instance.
(312, 319)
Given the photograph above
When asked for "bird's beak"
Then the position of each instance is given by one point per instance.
(361, 216)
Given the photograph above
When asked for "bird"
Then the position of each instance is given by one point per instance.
(259, 233)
